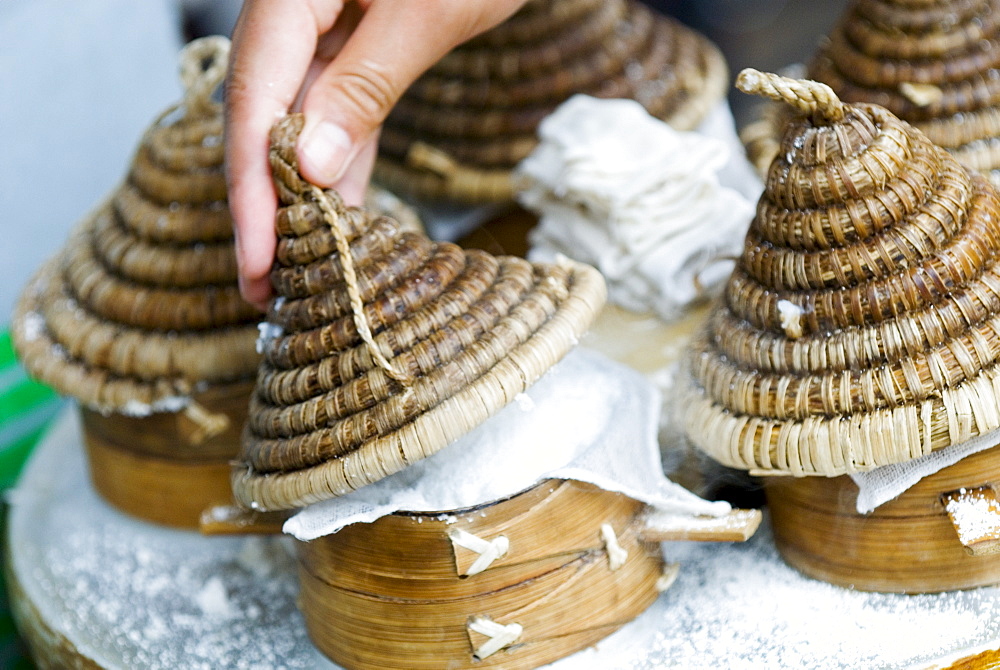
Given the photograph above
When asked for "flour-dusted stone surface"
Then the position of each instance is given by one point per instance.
(128, 594)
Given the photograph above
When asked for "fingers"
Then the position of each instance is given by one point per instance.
(273, 44)
(287, 52)
(353, 185)
(393, 44)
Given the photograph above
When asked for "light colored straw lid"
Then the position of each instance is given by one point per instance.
(861, 326)
(932, 64)
(390, 346)
(141, 307)
(459, 130)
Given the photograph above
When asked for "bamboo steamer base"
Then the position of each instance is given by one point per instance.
(436, 636)
(395, 594)
(82, 580)
(907, 545)
(148, 467)
(172, 493)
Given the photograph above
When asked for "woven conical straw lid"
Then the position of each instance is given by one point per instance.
(861, 326)
(931, 63)
(461, 128)
(390, 356)
(142, 306)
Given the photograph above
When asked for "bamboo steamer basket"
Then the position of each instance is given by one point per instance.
(386, 348)
(928, 539)
(500, 584)
(397, 593)
(139, 317)
(930, 64)
(165, 468)
(858, 330)
(459, 130)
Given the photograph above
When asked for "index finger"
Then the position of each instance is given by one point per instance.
(273, 45)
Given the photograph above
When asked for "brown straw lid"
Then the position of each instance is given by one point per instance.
(861, 326)
(142, 306)
(932, 64)
(389, 346)
(460, 129)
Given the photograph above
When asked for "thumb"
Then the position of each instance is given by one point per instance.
(393, 44)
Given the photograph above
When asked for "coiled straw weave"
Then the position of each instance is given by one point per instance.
(142, 306)
(391, 346)
(457, 133)
(931, 64)
(861, 326)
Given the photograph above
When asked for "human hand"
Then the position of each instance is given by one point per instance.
(344, 64)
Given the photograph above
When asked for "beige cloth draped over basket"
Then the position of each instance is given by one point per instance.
(459, 130)
(931, 64)
(140, 319)
(860, 328)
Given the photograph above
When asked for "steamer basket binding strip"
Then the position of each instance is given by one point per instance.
(389, 352)
(141, 308)
(859, 328)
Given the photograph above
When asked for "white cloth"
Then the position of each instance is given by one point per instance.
(879, 486)
(619, 189)
(737, 173)
(588, 419)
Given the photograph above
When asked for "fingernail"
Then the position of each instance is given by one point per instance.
(324, 150)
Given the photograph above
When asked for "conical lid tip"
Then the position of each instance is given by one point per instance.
(812, 98)
(203, 66)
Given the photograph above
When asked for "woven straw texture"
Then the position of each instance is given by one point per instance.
(386, 358)
(461, 128)
(860, 326)
(932, 64)
(142, 305)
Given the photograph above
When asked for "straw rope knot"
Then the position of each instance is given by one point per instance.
(617, 554)
(488, 550)
(206, 423)
(500, 636)
(810, 97)
(332, 215)
(203, 67)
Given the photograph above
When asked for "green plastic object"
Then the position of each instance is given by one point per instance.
(26, 409)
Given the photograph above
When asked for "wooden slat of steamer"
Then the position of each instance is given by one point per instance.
(234, 520)
(736, 526)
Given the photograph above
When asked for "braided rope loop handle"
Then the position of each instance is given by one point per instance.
(203, 63)
(332, 219)
(810, 97)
